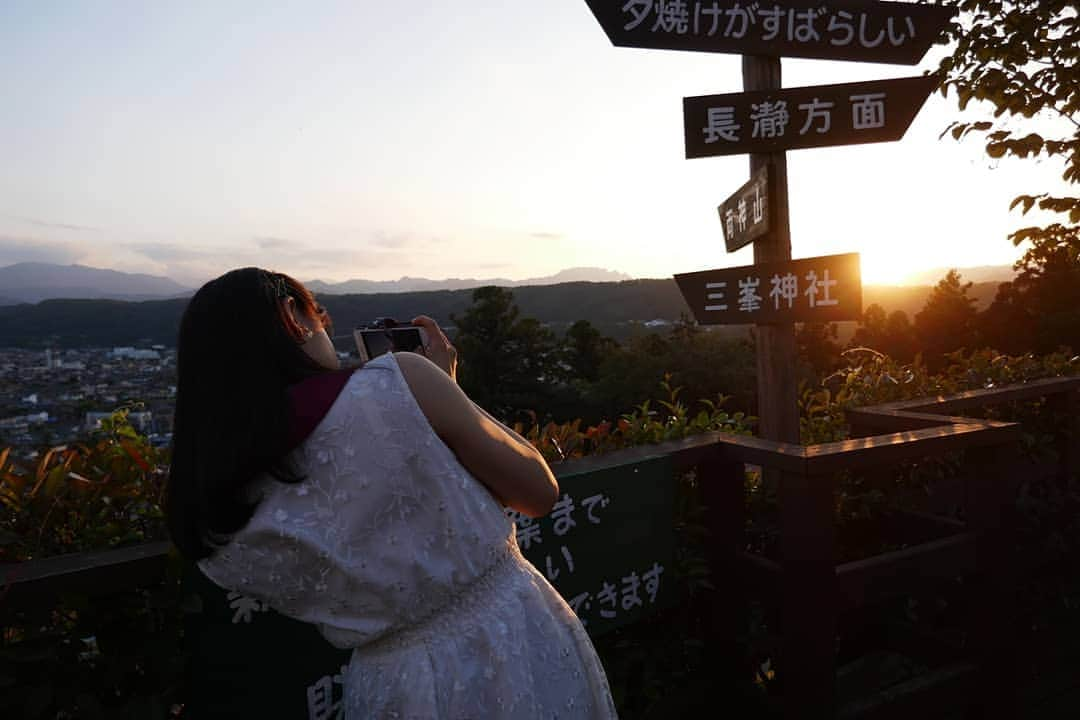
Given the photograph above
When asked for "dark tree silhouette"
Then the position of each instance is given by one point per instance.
(507, 363)
(947, 321)
(891, 334)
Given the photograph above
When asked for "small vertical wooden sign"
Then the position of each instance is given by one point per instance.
(745, 215)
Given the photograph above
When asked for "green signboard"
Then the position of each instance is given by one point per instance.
(608, 545)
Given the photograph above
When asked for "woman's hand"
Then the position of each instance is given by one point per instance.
(438, 350)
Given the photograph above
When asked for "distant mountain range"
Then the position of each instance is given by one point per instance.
(979, 274)
(34, 282)
(617, 309)
(410, 284)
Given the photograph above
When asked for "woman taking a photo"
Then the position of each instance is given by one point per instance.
(369, 503)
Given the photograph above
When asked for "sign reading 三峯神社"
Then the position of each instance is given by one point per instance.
(745, 215)
(860, 30)
(768, 121)
(608, 544)
(819, 289)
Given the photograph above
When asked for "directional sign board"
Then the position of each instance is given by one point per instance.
(820, 289)
(745, 215)
(790, 118)
(862, 30)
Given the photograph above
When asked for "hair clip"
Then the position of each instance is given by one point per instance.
(277, 283)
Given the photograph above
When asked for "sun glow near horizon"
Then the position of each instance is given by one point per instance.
(884, 266)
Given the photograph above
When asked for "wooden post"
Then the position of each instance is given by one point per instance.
(722, 484)
(1066, 405)
(807, 671)
(991, 596)
(778, 413)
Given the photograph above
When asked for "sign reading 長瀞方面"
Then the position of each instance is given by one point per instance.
(859, 30)
(768, 121)
(819, 289)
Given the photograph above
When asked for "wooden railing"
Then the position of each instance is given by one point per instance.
(812, 588)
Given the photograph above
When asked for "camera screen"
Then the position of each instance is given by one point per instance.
(377, 342)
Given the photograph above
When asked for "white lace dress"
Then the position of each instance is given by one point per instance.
(392, 548)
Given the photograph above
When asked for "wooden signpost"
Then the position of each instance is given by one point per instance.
(765, 121)
(745, 215)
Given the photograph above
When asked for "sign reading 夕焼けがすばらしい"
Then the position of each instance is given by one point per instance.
(608, 545)
(860, 30)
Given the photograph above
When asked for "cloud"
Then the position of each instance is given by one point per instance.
(21, 249)
(547, 235)
(193, 264)
(53, 225)
(170, 252)
(273, 243)
(394, 241)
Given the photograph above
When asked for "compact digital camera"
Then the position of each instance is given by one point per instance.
(388, 335)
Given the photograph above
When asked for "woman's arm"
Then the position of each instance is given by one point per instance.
(502, 460)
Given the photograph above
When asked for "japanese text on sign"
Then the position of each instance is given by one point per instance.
(324, 698)
(770, 21)
(803, 117)
(745, 215)
(606, 542)
(862, 30)
(770, 119)
(628, 592)
(810, 290)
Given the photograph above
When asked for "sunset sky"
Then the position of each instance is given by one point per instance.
(339, 140)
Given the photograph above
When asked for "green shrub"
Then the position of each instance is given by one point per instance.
(87, 496)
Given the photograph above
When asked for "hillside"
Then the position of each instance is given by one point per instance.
(104, 323)
(616, 308)
(911, 298)
(29, 282)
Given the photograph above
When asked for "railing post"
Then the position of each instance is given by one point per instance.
(1067, 406)
(991, 597)
(807, 672)
(722, 492)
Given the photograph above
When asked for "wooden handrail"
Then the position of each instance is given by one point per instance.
(983, 397)
(88, 573)
(925, 433)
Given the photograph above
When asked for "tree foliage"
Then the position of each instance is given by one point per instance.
(584, 350)
(947, 322)
(1021, 57)
(890, 333)
(507, 362)
(100, 493)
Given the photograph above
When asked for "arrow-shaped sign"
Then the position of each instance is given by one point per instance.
(886, 32)
(791, 118)
(818, 289)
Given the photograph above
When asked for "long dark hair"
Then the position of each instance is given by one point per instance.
(237, 354)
